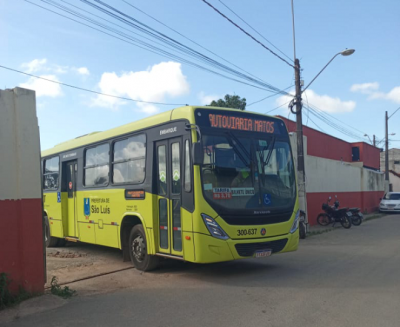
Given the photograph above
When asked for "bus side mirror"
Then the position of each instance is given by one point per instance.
(197, 153)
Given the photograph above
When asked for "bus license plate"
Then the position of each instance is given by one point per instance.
(263, 253)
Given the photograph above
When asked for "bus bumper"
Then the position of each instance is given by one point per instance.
(209, 249)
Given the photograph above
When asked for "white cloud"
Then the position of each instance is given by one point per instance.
(34, 65)
(372, 90)
(156, 83)
(393, 95)
(147, 108)
(59, 69)
(365, 88)
(42, 87)
(323, 102)
(207, 99)
(83, 71)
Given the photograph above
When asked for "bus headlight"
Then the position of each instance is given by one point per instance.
(296, 222)
(213, 227)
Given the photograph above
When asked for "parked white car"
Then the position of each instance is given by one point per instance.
(390, 202)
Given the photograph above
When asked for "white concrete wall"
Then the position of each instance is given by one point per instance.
(372, 180)
(19, 145)
(395, 181)
(326, 175)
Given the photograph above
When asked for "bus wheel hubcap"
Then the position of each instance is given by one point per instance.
(139, 248)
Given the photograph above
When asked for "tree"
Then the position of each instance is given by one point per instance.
(231, 101)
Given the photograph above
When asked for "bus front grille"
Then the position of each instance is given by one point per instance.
(248, 249)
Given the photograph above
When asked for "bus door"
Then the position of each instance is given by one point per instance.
(70, 180)
(169, 185)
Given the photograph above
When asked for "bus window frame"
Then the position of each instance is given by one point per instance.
(125, 137)
(84, 165)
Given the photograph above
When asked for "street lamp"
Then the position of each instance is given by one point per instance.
(301, 187)
(347, 52)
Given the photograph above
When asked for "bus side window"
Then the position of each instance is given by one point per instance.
(187, 174)
(97, 165)
(51, 173)
(129, 160)
(162, 171)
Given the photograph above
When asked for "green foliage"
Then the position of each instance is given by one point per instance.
(6, 298)
(56, 289)
(231, 101)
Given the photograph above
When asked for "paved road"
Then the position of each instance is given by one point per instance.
(342, 278)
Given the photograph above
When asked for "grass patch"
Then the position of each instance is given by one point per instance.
(7, 299)
(56, 289)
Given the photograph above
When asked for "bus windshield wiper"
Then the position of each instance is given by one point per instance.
(269, 149)
(242, 148)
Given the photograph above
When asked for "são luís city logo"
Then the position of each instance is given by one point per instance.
(86, 206)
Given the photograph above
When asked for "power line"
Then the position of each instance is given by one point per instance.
(176, 42)
(333, 117)
(270, 96)
(277, 107)
(335, 126)
(145, 46)
(91, 91)
(159, 36)
(187, 38)
(316, 125)
(248, 34)
(150, 30)
(252, 29)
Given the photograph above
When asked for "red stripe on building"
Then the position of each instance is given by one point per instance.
(21, 251)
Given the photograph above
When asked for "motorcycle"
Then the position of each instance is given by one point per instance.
(356, 216)
(302, 225)
(334, 215)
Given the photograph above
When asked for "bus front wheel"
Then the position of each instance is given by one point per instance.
(138, 250)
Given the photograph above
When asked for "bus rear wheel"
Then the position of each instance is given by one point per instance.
(48, 239)
(138, 250)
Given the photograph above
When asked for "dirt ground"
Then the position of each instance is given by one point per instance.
(78, 261)
(91, 269)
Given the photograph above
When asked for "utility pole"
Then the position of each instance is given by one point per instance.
(386, 149)
(301, 185)
(374, 141)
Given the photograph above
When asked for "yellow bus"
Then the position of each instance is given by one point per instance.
(199, 184)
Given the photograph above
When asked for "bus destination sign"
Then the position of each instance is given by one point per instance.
(238, 121)
(241, 123)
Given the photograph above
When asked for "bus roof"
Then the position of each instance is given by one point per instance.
(185, 112)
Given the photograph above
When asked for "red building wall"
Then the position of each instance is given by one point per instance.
(21, 244)
(326, 146)
(369, 155)
(323, 145)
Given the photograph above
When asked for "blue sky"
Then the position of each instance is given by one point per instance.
(356, 89)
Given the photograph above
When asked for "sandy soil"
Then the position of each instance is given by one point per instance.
(78, 260)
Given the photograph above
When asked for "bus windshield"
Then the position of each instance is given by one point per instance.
(247, 170)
